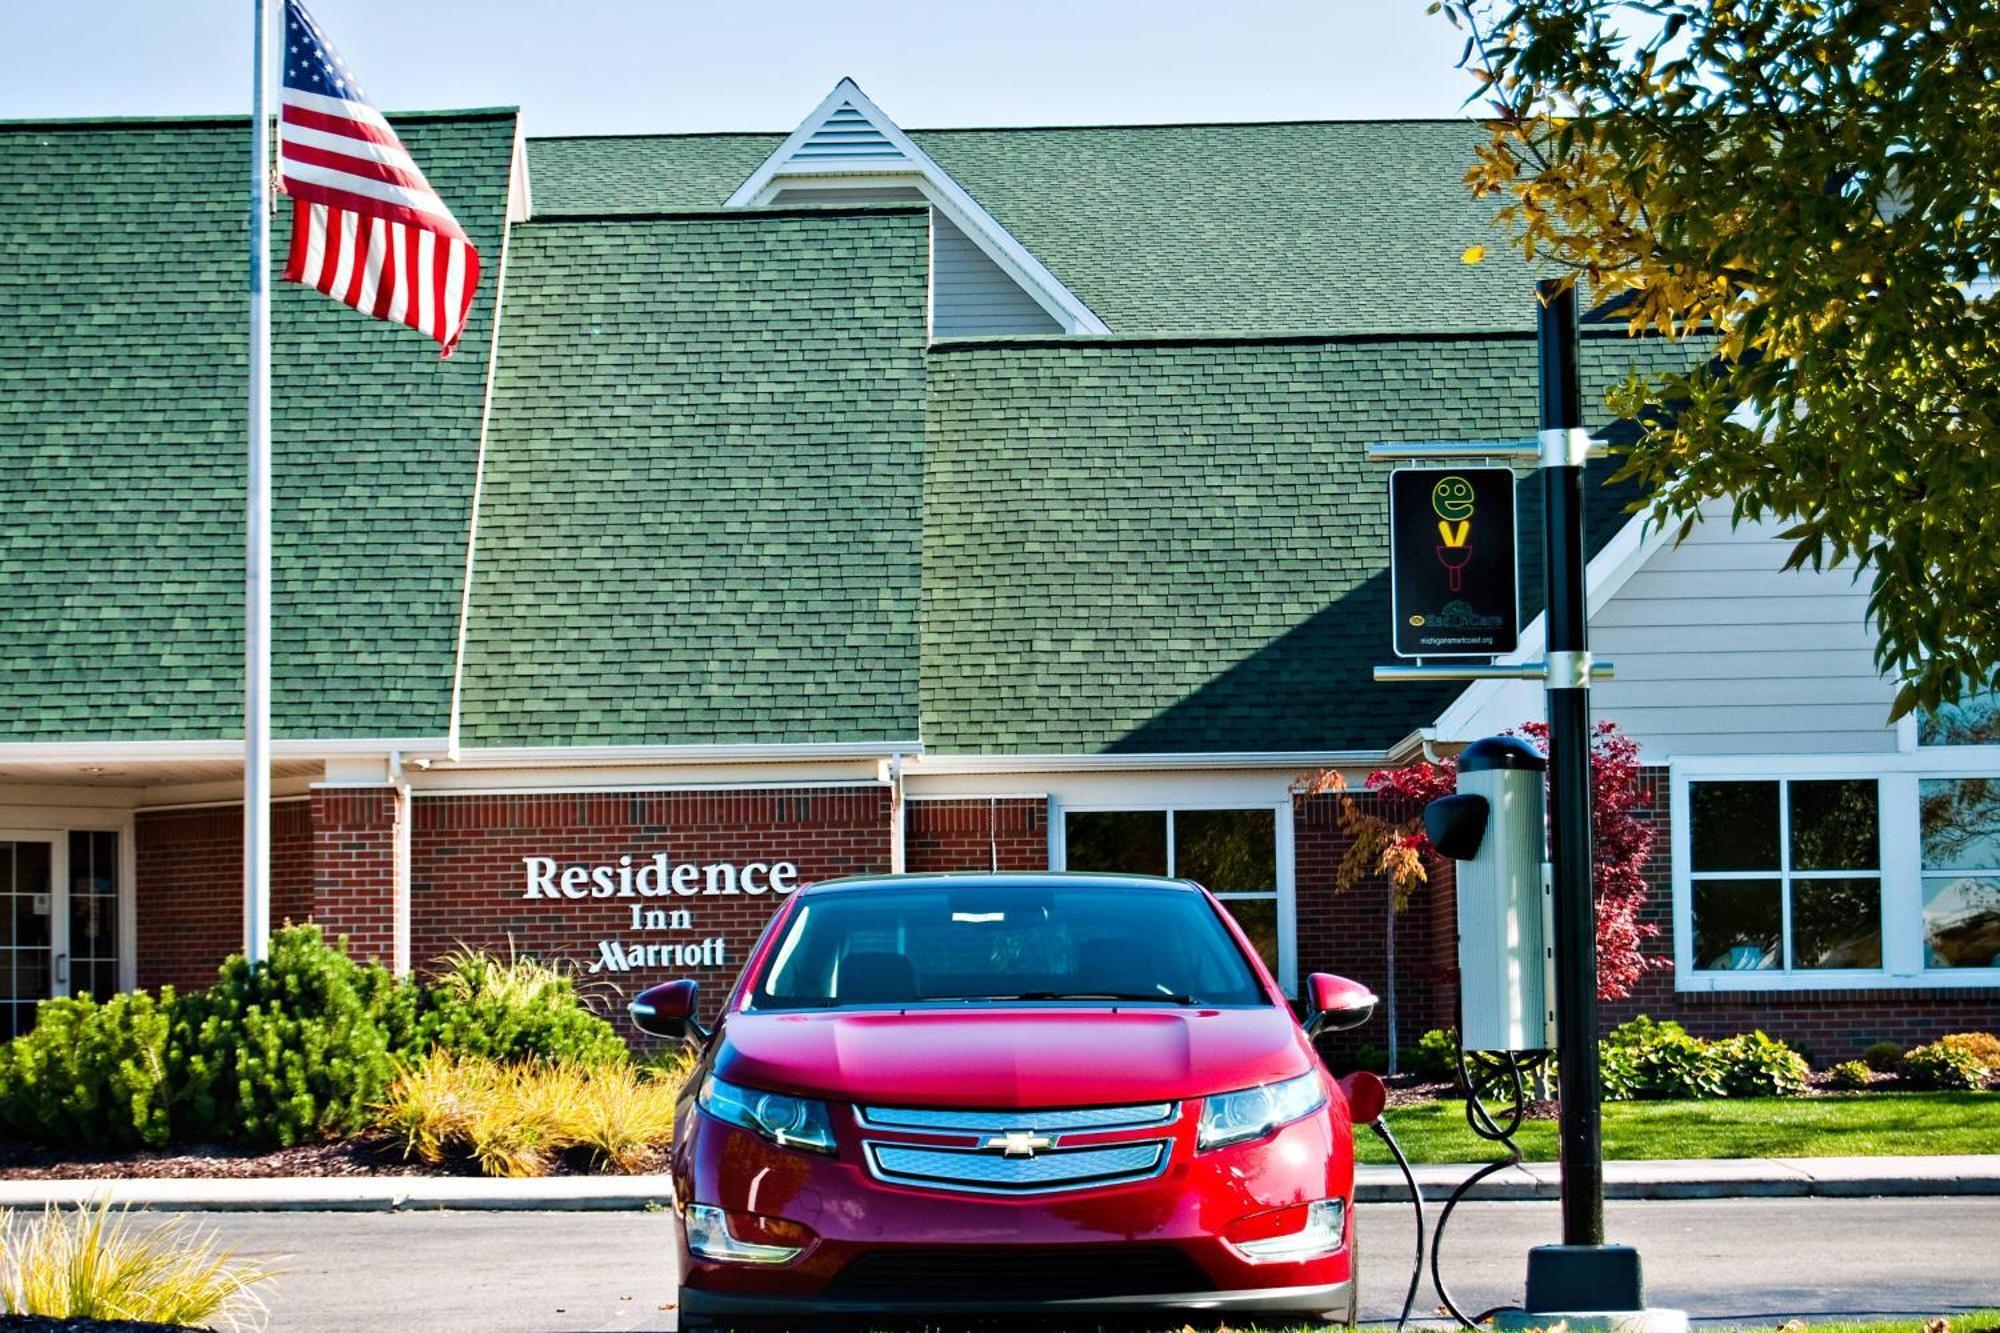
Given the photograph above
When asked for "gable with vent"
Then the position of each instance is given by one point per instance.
(983, 281)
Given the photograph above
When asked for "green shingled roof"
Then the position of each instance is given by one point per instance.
(700, 515)
(729, 494)
(1154, 547)
(1324, 226)
(122, 297)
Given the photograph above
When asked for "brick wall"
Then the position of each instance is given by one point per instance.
(1830, 1024)
(353, 868)
(190, 890)
(976, 833)
(467, 877)
(1344, 931)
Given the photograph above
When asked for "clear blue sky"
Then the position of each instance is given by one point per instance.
(607, 66)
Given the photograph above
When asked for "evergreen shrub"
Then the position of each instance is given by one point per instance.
(90, 1073)
(296, 1049)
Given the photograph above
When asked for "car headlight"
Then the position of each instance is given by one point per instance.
(1232, 1117)
(790, 1122)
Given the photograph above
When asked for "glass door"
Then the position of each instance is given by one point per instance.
(28, 914)
(88, 954)
(61, 914)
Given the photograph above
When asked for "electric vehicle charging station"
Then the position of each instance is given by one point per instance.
(1527, 942)
(1493, 829)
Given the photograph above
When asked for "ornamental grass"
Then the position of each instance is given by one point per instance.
(523, 1119)
(90, 1262)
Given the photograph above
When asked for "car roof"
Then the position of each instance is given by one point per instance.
(1017, 879)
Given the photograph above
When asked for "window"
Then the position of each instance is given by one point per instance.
(1959, 819)
(1232, 853)
(93, 913)
(1858, 872)
(1785, 875)
(1971, 721)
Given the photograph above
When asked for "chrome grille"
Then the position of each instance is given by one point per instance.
(1093, 1119)
(988, 1172)
(1018, 1151)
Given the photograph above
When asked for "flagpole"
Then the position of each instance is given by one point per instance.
(257, 521)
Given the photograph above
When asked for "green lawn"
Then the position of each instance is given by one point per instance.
(1862, 1125)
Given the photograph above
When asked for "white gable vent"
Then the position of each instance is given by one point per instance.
(984, 280)
(847, 135)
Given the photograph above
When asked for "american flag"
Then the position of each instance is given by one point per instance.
(367, 229)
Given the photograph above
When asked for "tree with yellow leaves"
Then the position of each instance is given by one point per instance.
(1815, 184)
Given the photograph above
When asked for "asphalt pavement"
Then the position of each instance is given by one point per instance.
(1750, 1262)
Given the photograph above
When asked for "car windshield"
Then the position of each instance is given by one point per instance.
(1112, 943)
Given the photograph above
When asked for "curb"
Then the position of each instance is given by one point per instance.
(1729, 1178)
(351, 1194)
(1769, 1178)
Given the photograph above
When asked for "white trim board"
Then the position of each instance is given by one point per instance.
(138, 752)
(1295, 760)
(879, 152)
(517, 176)
(565, 756)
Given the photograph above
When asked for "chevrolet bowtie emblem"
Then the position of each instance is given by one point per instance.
(1018, 1143)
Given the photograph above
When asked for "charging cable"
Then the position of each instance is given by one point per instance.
(1500, 1131)
(1381, 1129)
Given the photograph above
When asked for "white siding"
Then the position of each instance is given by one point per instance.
(1719, 652)
(970, 294)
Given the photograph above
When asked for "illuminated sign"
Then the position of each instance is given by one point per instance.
(1453, 590)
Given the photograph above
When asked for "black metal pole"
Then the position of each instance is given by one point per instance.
(1562, 449)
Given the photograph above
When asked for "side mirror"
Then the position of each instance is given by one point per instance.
(667, 1010)
(1336, 1004)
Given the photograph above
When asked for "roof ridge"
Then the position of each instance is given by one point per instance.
(1030, 129)
(66, 123)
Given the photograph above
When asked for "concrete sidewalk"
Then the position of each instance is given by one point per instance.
(1778, 1177)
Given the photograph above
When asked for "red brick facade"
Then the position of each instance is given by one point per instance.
(190, 897)
(468, 877)
(353, 867)
(976, 833)
(332, 861)
(1345, 931)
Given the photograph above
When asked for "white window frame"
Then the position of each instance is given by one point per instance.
(1900, 852)
(1288, 961)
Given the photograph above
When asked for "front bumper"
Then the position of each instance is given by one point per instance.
(1327, 1299)
(997, 1248)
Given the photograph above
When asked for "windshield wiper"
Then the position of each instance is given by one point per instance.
(1154, 997)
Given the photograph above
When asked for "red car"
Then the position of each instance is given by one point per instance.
(941, 1094)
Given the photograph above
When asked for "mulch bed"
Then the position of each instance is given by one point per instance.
(367, 1155)
(352, 1157)
(43, 1323)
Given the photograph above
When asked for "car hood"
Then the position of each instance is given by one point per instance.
(1037, 1057)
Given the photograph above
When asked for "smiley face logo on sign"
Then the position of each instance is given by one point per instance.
(1452, 498)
